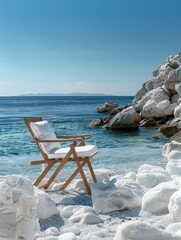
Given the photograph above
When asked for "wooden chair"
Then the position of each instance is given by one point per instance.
(52, 152)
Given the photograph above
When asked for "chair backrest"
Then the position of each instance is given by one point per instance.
(41, 130)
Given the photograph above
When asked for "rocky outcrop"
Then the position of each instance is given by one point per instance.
(158, 101)
(126, 119)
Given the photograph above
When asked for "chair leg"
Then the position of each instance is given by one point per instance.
(91, 170)
(43, 174)
(59, 168)
(72, 177)
(83, 176)
(80, 168)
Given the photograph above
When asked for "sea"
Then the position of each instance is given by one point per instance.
(119, 151)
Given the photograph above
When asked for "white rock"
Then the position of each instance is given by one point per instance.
(131, 175)
(178, 88)
(85, 215)
(102, 175)
(145, 168)
(169, 110)
(174, 206)
(141, 231)
(74, 230)
(46, 207)
(18, 217)
(86, 218)
(68, 211)
(173, 167)
(174, 154)
(52, 231)
(78, 184)
(57, 185)
(109, 197)
(149, 85)
(157, 198)
(177, 111)
(48, 238)
(152, 109)
(168, 147)
(174, 228)
(163, 104)
(68, 236)
(157, 95)
(149, 175)
(163, 71)
(173, 78)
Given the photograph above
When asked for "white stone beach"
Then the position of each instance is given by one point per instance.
(137, 205)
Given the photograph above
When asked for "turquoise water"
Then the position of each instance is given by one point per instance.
(119, 151)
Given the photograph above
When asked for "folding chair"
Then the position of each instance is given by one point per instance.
(52, 152)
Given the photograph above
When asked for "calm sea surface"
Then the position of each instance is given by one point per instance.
(119, 151)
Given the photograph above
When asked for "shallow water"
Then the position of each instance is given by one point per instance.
(119, 151)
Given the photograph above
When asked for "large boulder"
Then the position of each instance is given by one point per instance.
(159, 80)
(153, 109)
(46, 207)
(140, 93)
(174, 206)
(149, 175)
(157, 198)
(121, 195)
(168, 147)
(172, 79)
(137, 230)
(173, 167)
(18, 216)
(85, 215)
(171, 127)
(128, 119)
(157, 95)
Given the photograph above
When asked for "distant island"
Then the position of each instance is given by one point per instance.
(65, 94)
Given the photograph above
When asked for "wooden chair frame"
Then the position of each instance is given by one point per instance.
(78, 140)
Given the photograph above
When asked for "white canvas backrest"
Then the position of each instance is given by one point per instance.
(43, 131)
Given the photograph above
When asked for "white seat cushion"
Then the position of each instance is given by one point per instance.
(83, 151)
(43, 131)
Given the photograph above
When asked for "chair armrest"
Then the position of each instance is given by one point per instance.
(75, 136)
(58, 140)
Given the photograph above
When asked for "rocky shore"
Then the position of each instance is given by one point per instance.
(157, 103)
(143, 204)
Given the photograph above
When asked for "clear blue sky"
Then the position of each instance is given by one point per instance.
(100, 46)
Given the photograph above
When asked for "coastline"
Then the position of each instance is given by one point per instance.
(142, 204)
(118, 204)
